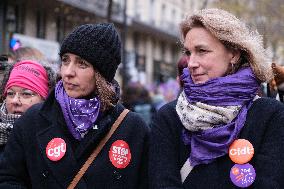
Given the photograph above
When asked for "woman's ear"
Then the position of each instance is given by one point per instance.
(236, 54)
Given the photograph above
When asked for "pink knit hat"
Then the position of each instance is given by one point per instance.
(30, 75)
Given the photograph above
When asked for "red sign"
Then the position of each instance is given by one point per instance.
(55, 149)
(119, 154)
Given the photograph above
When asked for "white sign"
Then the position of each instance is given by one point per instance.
(49, 48)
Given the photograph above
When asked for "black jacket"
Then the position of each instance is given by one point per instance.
(264, 128)
(25, 163)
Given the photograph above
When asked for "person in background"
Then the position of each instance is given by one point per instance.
(23, 53)
(158, 100)
(181, 64)
(25, 83)
(278, 72)
(219, 133)
(3, 62)
(53, 140)
(271, 89)
(32, 53)
(137, 98)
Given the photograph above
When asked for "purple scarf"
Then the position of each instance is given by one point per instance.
(236, 89)
(79, 114)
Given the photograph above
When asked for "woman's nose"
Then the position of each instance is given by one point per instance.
(68, 70)
(192, 62)
(16, 99)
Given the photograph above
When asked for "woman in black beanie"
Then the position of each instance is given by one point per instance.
(81, 125)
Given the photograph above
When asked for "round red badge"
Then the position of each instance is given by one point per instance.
(119, 154)
(241, 151)
(55, 149)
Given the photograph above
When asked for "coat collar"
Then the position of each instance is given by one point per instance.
(64, 169)
(103, 124)
(77, 152)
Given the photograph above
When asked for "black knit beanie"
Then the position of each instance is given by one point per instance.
(99, 44)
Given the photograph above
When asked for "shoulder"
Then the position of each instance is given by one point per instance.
(32, 111)
(265, 114)
(35, 108)
(268, 101)
(267, 106)
(133, 119)
(168, 109)
(167, 118)
(44, 111)
(28, 118)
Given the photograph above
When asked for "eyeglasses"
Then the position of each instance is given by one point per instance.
(26, 94)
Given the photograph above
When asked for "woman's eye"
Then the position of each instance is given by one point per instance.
(202, 51)
(186, 52)
(64, 60)
(83, 64)
(27, 94)
(10, 93)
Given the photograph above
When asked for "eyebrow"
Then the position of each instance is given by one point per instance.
(200, 46)
(27, 90)
(78, 58)
(22, 90)
(196, 47)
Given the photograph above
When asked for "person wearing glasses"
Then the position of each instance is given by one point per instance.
(25, 83)
(56, 139)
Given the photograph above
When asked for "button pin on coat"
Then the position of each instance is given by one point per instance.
(120, 154)
(55, 149)
(241, 151)
(117, 175)
(242, 175)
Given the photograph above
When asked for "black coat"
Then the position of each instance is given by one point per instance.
(25, 163)
(264, 128)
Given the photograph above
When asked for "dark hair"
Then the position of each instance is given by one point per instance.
(3, 57)
(181, 64)
(3, 61)
(135, 93)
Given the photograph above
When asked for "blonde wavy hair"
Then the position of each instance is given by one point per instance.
(234, 34)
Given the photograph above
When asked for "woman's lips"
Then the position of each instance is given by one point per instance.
(17, 112)
(69, 85)
(197, 75)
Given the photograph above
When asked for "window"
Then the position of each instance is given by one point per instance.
(40, 23)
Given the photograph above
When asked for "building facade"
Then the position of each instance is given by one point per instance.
(149, 30)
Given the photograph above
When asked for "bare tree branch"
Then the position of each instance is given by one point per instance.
(109, 10)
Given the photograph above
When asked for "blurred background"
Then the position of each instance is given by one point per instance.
(149, 31)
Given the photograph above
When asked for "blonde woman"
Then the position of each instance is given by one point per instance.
(193, 138)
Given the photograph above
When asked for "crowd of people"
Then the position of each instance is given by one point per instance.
(71, 127)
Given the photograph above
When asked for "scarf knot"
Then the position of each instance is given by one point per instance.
(7, 123)
(213, 113)
(79, 114)
(235, 89)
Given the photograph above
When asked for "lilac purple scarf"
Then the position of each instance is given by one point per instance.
(79, 114)
(236, 89)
